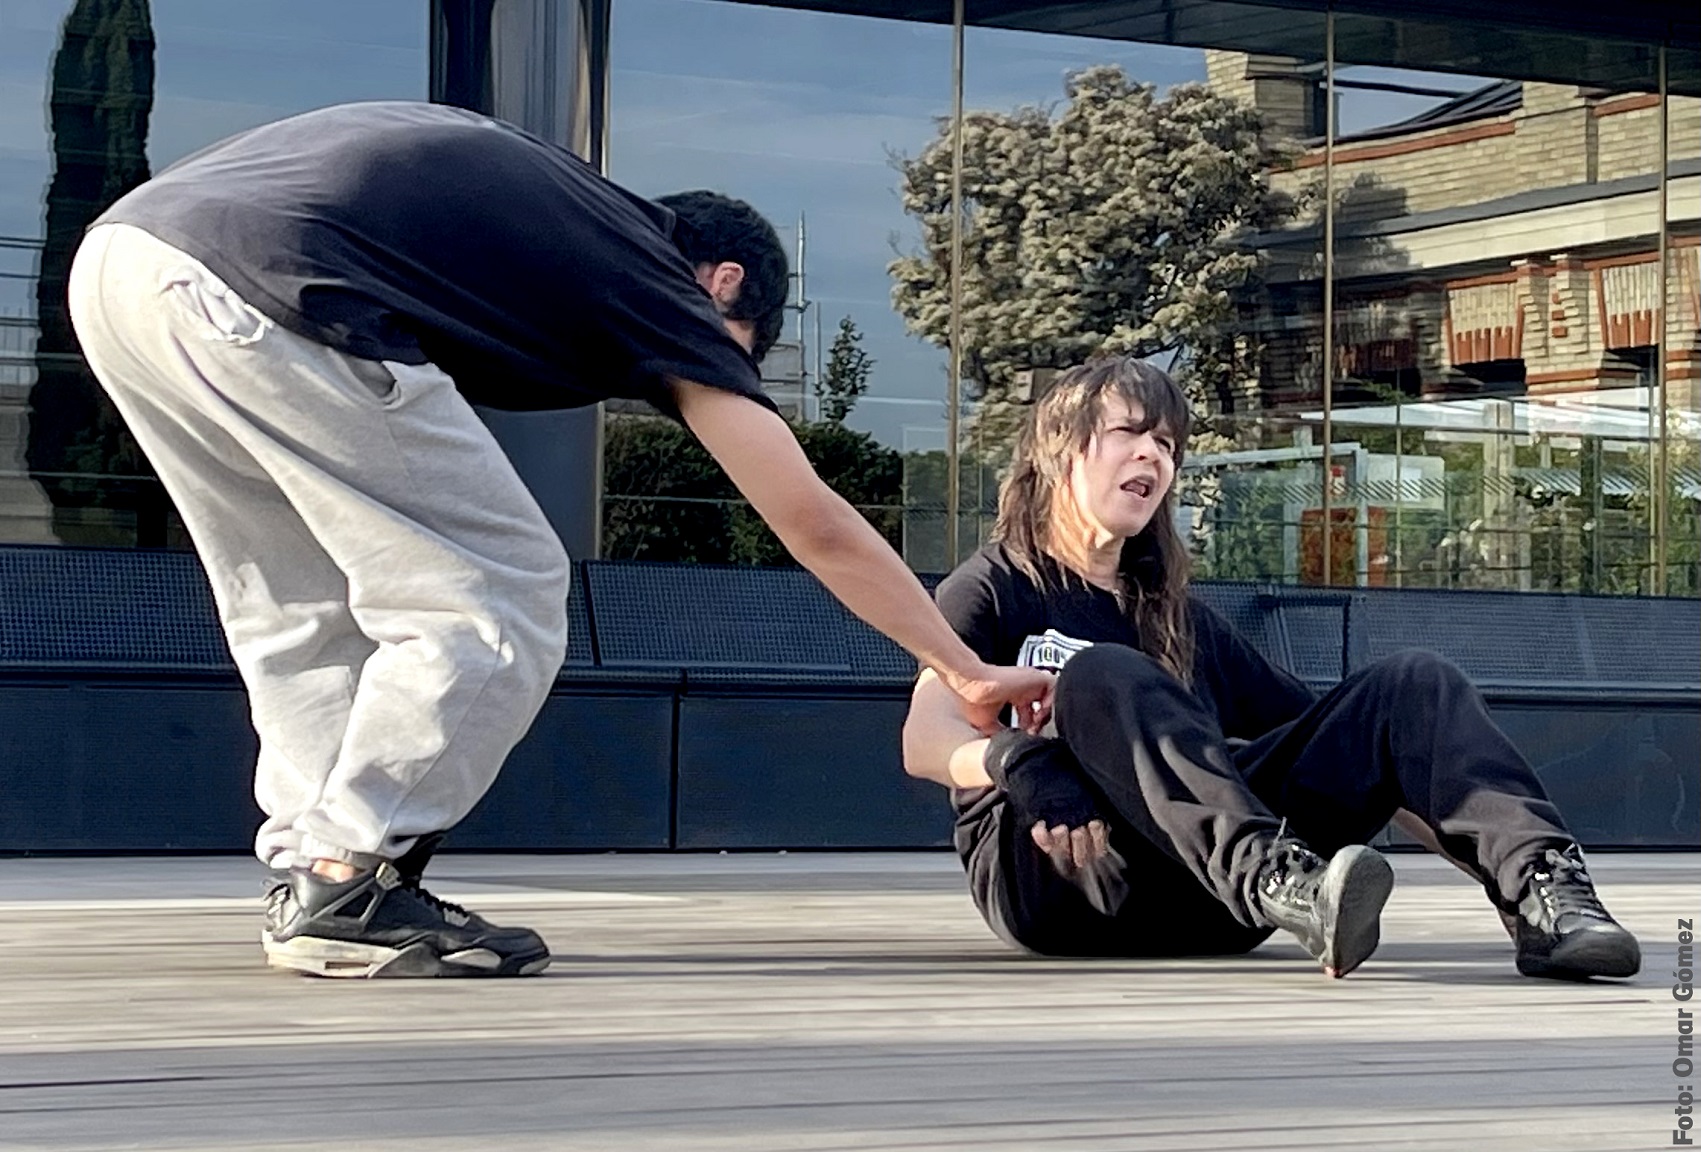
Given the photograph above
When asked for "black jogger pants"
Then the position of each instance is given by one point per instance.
(1190, 816)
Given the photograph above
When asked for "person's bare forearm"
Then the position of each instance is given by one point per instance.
(858, 566)
(831, 539)
(820, 528)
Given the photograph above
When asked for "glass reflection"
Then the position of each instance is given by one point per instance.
(1119, 198)
(1492, 344)
(1681, 519)
(97, 95)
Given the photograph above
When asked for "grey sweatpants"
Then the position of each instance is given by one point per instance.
(393, 596)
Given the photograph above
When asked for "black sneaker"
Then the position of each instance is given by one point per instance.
(1333, 908)
(379, 925)
(410, 865)
(1563, 931)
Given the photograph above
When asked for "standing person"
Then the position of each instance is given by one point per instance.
(1193, 797)
(294, 323)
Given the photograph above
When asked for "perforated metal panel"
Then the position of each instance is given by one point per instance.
(94, 606)
(701, 617)
(1642, 641)
(1503, 638)
(137, 609)
(1251, 609)
(1491, 636)
(579, 647)
(873, 657)
(1313, 627)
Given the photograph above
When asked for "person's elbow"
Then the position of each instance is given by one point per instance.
(816, 523)
(929, 739)
(916, 746)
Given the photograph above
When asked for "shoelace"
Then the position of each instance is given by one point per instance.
(441, 905)
(1564, 887)
(1287, 865)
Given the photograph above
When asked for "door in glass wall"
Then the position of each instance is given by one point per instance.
(95, 95)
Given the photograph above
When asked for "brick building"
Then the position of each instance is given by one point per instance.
(1497, 302)
(1506, 237)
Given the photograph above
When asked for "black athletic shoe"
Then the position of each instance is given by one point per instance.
(379, 925)
(1563, 931)
(1335, 908)
(410, 864)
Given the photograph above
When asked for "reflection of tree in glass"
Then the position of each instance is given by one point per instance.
(102, 95)
(846, 376)
(1107, 226)
(668, 500)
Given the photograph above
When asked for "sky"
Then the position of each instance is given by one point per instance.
(799, 113)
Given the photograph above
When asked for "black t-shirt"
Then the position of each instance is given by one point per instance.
(1008, 619)
(417, 232)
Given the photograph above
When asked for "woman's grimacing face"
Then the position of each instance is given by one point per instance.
(1119, 481)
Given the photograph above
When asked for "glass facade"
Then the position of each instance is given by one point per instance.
(799, 113)
(1432, 285)
(94, 96)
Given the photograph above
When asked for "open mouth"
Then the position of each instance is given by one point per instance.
(1141, 486)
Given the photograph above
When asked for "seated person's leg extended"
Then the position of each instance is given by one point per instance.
(1412, 733)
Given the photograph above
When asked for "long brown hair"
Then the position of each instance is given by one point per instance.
(1154, 567)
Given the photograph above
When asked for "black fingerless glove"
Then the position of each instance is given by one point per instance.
(1041, 779)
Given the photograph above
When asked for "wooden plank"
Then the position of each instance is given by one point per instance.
(807, 1002)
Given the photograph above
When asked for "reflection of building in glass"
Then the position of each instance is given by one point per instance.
(1497, 304)
(783, 378)
(1505, 237)
(1499, 248)
(26, 516)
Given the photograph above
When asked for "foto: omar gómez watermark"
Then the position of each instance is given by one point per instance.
(1683, 1067)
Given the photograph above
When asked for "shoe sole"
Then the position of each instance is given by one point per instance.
(1587, 954)
(346, 960)
(1356, 885)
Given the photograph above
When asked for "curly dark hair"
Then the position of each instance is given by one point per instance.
(714, 229)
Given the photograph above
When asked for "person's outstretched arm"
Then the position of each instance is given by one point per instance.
(831, 539)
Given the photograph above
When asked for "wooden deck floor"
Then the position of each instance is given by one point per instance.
(813, 1003)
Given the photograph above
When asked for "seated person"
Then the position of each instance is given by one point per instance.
(1188, 797)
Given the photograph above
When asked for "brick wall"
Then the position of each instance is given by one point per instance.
(1560, 137)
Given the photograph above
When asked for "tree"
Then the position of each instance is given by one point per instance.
(1107, 227)
(668, 500)
(98, 111)
(846, 376)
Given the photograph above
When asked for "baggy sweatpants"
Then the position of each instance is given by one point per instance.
(1189, 816)
(393, 597)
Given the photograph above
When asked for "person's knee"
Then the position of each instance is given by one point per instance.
(1418, 664)
(1417, 672)
(1103, 667)
(552, 622)
(531, 616)
(1097, 678)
